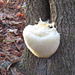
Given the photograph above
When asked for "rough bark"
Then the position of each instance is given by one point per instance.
(37, 9)
(62, 13)
(62, 63)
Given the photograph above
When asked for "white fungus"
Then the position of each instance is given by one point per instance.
(42, 39)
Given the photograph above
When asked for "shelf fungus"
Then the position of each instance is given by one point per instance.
(42, 39)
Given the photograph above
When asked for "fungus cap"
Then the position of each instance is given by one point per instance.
(42, 39)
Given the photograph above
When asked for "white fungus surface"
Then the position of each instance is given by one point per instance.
(42, 39)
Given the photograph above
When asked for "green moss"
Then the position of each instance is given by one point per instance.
(71, 35)
(22, 66)
(26, 52)
(3, 40)
(32, 73)
(12, 40)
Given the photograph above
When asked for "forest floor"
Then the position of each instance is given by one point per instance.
(12, 23)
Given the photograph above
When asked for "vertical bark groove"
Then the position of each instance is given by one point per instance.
(53, 10)
(37, 9)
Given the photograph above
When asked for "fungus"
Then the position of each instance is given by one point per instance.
(42, 39)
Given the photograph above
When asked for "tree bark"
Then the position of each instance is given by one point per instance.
(62, 13)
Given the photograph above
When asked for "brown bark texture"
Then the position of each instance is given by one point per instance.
(62, 12)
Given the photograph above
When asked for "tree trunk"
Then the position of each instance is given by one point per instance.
(62, 13)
